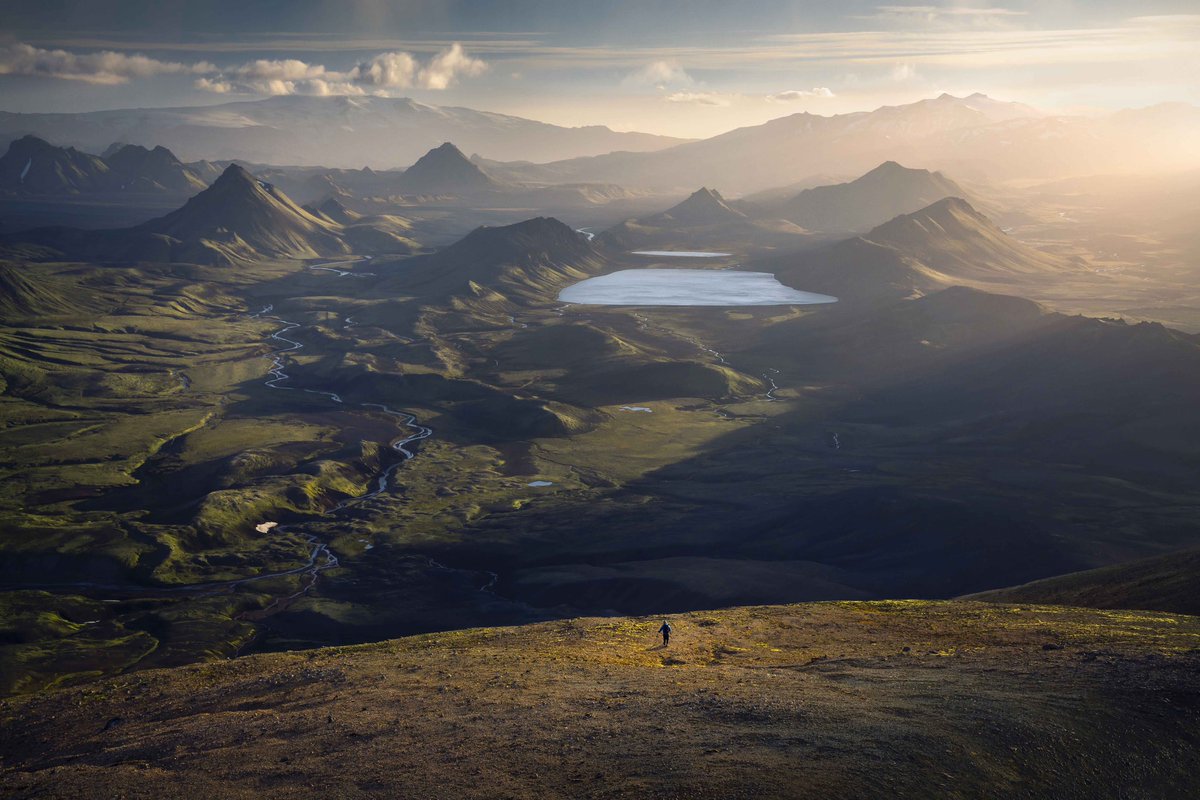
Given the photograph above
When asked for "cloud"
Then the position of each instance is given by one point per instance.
(445, 68)
(377, 75)
(104, 68)
(698, 98)
(902, 73)
(386, 71)
(952, 17)
(659, 74)
(792, 95)
(951, 11)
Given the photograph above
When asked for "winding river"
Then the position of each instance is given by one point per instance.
(320, 557)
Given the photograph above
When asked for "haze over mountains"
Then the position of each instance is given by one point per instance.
(445, 170)
(885, 192)
(947, 243)
(329, 131)
(972, 137)
(237, 219)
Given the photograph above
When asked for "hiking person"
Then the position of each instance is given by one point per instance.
(665, 630)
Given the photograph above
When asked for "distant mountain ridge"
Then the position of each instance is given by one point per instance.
(238, 219)
(154, 169)
(35, 167)
(334, 131)
(445, 170)
(973, 137)
(704, 207)
(881, 194)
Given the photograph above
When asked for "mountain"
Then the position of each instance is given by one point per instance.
(973, 137)
(33, 166)
(881, 194)
(961, 244)
(23, 295)
(948, 243)
(444, 170)
(238, 219)
(1168, 583)
(704, 219)
(332, 210)
(704, 207)
(242, 218)
(331, 131)
(157, 170)
(523, 260)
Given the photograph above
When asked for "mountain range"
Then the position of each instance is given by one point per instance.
(881, 194)
(37, 168)
(331, 131)
(238, 219)
(975, 137)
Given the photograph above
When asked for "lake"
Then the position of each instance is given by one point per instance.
(687, 287)
(680, 253)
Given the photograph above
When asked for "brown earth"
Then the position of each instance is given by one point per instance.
(880, 699)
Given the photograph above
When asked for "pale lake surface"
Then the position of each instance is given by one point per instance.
(681, 253)
(687, 287)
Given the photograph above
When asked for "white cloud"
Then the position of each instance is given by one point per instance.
(800, 94)
(389, 70)
(698, 98)
(902, 73)
(106, 67)
(289, 69)
(659, 74)
(384, 72)
(445, 68)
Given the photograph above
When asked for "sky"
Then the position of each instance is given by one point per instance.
(689, 69)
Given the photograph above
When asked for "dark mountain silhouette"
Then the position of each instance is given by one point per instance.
(33, 166)
(881, 194)
(141, 170)
(238, 219)
(444, 170)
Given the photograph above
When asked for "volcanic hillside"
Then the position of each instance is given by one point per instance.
(445, 170)
(883, 193)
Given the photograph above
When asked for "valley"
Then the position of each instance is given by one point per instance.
(315, 463)
(417, 428)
